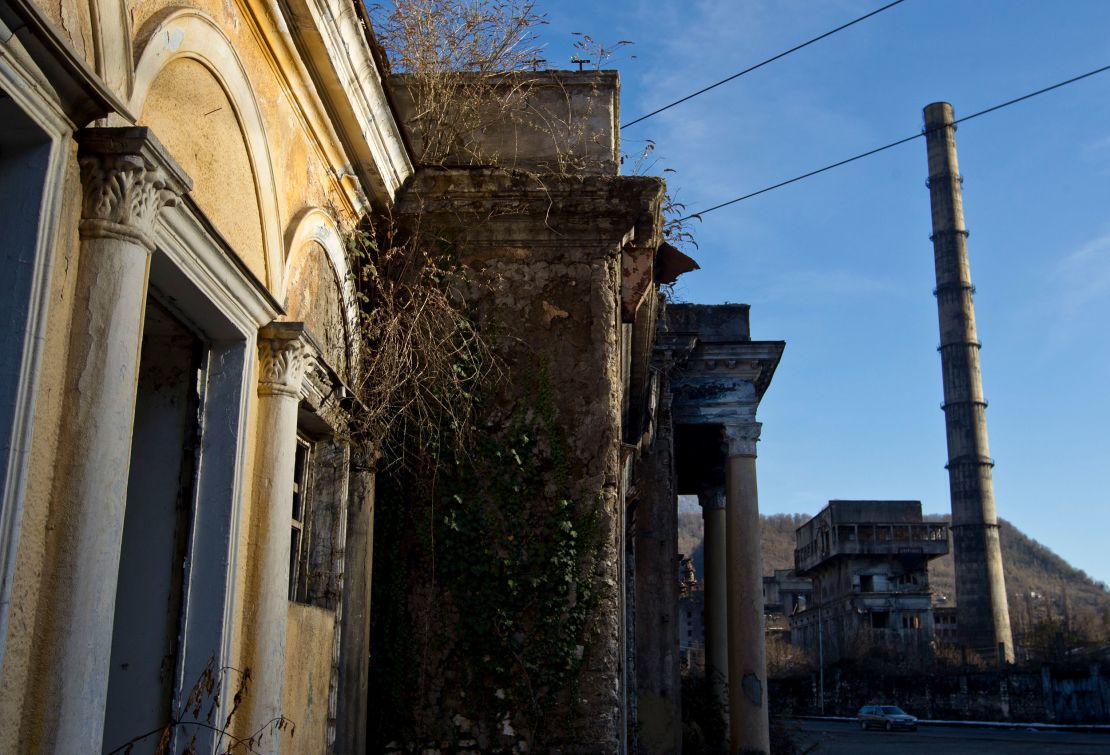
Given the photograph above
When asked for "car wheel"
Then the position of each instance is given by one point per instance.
(889, 726)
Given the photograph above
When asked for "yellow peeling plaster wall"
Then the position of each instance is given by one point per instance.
(21, 711)
(194, 119)
(193, 116)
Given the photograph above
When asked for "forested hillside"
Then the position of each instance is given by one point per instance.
(1039, 584)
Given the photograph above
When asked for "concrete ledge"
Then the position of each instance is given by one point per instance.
(1097, 728)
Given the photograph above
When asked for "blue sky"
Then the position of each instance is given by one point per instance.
(840, 266)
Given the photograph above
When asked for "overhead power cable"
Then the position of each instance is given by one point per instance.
(765, 62)
(885, 147)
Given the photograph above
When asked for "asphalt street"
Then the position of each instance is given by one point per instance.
(846, 738)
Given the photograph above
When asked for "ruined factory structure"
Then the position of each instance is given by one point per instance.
(785, 593)
(868, 562)
(983, 615)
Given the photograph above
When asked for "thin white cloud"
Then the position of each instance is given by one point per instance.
(812, 284)
(1083, 276)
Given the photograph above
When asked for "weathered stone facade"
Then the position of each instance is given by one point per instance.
(546, 253)
(718, 376)
(181, 337)
(184, 497)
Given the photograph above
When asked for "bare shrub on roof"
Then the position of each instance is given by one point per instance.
(457, 57)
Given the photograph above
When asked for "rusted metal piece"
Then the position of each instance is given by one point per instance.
(671, 263)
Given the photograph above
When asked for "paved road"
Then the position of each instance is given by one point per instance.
(845, 738)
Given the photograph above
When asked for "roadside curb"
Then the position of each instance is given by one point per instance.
(1088, 728)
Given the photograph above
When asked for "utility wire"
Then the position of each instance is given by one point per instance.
(760, 65)
(894, 144)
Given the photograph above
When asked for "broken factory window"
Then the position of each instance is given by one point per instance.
(911, 621)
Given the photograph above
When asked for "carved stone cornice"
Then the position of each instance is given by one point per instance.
(127, 178)
(740, 438)
(285, 359)
(712, 497)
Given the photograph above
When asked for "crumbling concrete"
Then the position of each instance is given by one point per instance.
(547, 251)
(547, 122)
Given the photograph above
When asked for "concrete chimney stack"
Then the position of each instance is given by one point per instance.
(982, 612)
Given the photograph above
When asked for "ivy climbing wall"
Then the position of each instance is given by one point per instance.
(498, 565)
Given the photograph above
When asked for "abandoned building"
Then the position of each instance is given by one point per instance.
(945, 625)
(185, 497)
(784, 594)
(869, 562)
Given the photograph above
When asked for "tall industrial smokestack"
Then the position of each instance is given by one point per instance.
(982, 613)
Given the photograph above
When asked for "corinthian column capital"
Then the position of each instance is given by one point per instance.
(127, 177)
(712, 497)
(285, 359)
(740, 438)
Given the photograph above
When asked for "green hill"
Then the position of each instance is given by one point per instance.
(1039, 584)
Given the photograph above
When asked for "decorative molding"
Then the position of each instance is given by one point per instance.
(721, 382)
(127, 178)
(712, 497)
(314, 225)
(25, 343)
(59, 72)
(189, 33)
(332, 37)
(201, 263)
(111, 32)
(740, 438)
(285, 359)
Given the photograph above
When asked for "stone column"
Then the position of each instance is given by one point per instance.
(712, 500)
(354, 660)
(126, 179)
(284, 359)
(747, 652)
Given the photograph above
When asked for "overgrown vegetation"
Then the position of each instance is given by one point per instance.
(487, 548)
(455, 56)
(198, 717)
(422, 357)
(496, 633)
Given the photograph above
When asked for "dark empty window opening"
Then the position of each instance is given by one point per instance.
(301, 468)
(867, 583)
(880, 619)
